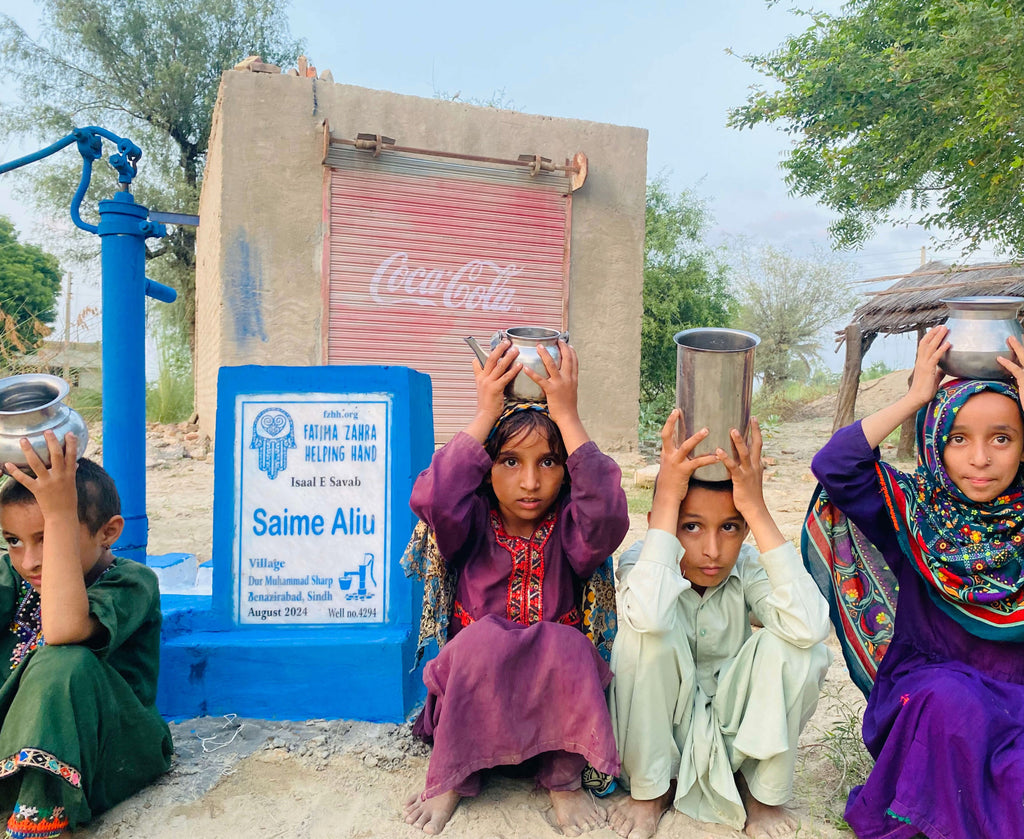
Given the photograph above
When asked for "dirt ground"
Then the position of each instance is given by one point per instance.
(261, 778)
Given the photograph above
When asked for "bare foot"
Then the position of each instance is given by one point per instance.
(431, 814)
(633, 819)
(765, 821)
(576, 811)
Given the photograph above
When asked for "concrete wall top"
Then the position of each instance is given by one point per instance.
(260, 291)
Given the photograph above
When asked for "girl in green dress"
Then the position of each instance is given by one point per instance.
(80, 630)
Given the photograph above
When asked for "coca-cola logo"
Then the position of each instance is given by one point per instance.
(479, 284)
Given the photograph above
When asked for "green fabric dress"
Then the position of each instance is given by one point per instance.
(79, 728)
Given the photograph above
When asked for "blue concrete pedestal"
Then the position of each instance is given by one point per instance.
(219, 655)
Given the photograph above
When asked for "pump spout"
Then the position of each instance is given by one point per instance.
(475, 347)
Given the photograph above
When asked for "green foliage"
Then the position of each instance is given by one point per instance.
(171, 397)
(685, 284)
(29, 283)
(88, 402)
(653, 413)
(787, 301)
(828, 766)
(875, 370)
(904, 109)
(145, 69)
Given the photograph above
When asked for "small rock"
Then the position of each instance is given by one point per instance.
(645, 477)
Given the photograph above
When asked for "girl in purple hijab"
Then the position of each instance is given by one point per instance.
(523, 508)
(945, 713)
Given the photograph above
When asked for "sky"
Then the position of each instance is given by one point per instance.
(662, 66)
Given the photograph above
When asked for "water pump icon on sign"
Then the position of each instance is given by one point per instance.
(365, 570)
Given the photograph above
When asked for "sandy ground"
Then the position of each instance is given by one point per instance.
(260, 778)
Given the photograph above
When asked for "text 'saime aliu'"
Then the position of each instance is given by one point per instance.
(348, 521)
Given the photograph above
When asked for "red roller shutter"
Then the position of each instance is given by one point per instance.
(423, 252)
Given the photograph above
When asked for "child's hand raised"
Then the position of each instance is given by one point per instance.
(1015, 366)
(745, 469)
(561, 392)
(676, 469)
(927, 373)
(747, 473)
(54, 486)
(561, 387)
(492, 377)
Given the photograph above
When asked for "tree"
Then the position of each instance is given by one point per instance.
(145, 69)
(904, 109)
(786, 301)
(29, 284)
(685, 283)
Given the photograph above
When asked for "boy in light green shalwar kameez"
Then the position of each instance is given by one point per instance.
(706, 711)
(80, 628)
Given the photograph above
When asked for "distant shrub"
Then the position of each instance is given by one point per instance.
(875, 370)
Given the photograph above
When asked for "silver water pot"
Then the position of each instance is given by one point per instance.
(31, 403)
(714, 389)
(526, 338)
(978, 329)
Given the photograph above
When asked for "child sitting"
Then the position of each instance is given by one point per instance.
(706, 712)
(945, 715)
(79, 730)
(524, 507)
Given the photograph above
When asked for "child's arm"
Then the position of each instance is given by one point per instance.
(648, 589)
(64, 602)
(783, 595)
(927, 377)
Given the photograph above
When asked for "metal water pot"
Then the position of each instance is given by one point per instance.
(714, 388)
(526, 338)
(30, 404)
(978, 329)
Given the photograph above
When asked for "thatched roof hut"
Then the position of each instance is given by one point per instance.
(914, 303)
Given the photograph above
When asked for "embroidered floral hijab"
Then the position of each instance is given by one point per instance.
(970, 554)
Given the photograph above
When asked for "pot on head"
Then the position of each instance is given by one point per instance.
(978, 329)
(714, 386)
(31, 403)
(526, 338)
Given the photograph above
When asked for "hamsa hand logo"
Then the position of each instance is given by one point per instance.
(273, 433)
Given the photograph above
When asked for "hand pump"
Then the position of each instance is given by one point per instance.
(123, 229)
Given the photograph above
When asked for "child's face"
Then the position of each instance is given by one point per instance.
(985, 446)
(711, 531)
(527, 477)
(22, 526)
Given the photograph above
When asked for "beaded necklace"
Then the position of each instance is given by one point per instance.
(27, 624)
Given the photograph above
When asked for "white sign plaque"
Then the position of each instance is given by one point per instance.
(311, 496)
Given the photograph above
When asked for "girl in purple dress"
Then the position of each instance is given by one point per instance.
(945, 715)
(523, 507)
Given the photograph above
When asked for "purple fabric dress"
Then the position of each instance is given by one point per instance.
(945, 718)
(517, 677)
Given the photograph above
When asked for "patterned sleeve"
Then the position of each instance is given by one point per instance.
(847, 468)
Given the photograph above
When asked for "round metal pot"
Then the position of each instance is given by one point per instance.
(30, 404)
(978, 329)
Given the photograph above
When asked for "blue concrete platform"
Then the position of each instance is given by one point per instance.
(214, 659)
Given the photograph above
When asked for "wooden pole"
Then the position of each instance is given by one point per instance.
(847, 398)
